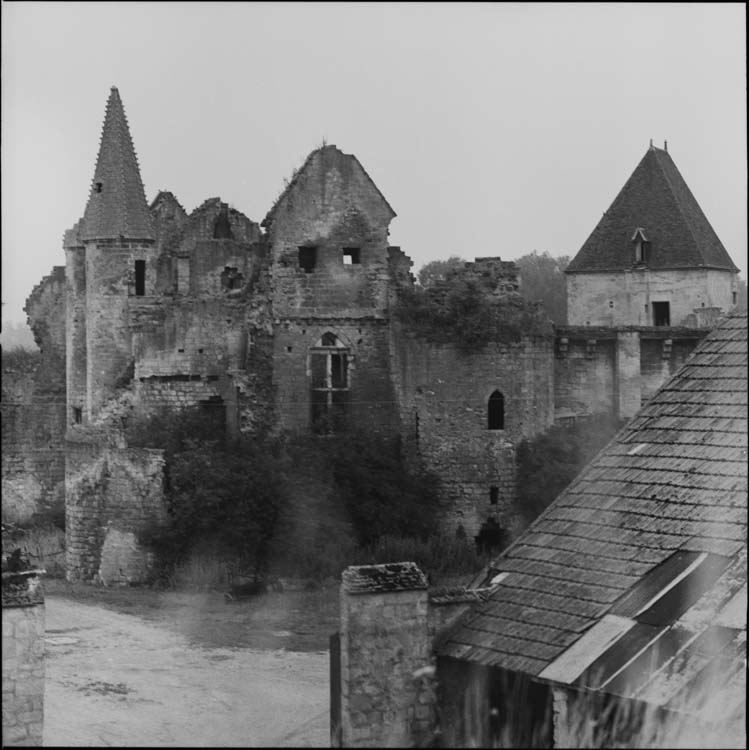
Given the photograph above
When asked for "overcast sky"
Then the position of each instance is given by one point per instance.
(492, 129)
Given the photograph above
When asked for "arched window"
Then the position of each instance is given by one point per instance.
(329, 367)
(496, 411)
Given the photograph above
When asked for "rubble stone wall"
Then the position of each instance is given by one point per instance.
(23, 669)
(113, 494)
(384, 640)
(444, 395)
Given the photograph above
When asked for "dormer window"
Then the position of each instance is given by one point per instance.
(642, 246)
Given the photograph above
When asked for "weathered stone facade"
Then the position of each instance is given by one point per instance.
(23, 659)
(290, 326)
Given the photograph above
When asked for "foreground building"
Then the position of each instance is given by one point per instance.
(625, 601)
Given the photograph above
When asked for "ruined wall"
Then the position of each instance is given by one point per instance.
(332, 206)
(23, 659)
(33, 403)
(625, 298)
(444, 393)
(113, 493)
(384, 641)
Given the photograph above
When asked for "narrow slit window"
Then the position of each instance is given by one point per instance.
(140, 278)
(307, 259)
(496, 411)
(351, 256)
(77, 415)
(493, 495)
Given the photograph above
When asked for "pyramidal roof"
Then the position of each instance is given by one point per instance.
(657, 200)
(117, 203)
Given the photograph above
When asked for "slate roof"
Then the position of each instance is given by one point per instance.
(674, 478)
(119, 208)
(657, 200)
(372, 579)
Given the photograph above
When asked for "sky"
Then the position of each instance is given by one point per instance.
(492, 129)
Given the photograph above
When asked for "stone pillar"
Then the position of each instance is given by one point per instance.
(387, 698)
(23, 658)
(628, 384)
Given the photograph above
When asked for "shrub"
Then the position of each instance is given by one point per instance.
(221, 499)
(547, 463)
(459, 311)
(382, 495)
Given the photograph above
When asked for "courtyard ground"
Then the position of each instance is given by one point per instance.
(137, 667)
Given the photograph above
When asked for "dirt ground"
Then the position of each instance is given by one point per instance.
(128, 667)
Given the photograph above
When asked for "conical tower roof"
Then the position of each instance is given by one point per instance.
(117, 202)
(657, 201)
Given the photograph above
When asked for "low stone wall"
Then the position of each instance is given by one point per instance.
(23, 658)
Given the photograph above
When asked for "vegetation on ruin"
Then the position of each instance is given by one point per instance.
(20, 359)
(459, 311)
(548, 463)
(541, 280)
(220, 496)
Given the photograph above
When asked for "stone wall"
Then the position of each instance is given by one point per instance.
(386, 656)
(23, 659)
(443, 395)
(626, 298)
(600, 370)
(112, 495)
(33, 404)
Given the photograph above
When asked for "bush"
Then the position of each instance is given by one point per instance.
(381, 494)
(222, 499)
(459, 311)
(549, 462)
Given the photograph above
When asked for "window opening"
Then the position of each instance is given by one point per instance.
(493, 495)
(735, 297)
(140, 278)
(222, 226)
(491, 537)
(99, 186)
(496, 411)
(231, 278)
(661, 314)
(77, 415)
(329, 368)
(351, 256)
(307, 259)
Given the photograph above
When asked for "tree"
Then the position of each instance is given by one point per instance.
(436, 270)
(542, 279)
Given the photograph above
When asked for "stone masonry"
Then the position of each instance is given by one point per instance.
(386, 698)
(23, 658)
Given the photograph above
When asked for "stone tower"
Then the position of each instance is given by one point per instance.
(110, 258)
(653, 258)
(330, 271)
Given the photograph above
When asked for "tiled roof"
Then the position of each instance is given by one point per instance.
(657, 200)
(372, 579)
(675, 477)
(117, 202)
(330, 152)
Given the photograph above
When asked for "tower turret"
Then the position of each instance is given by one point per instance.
(118, 236)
